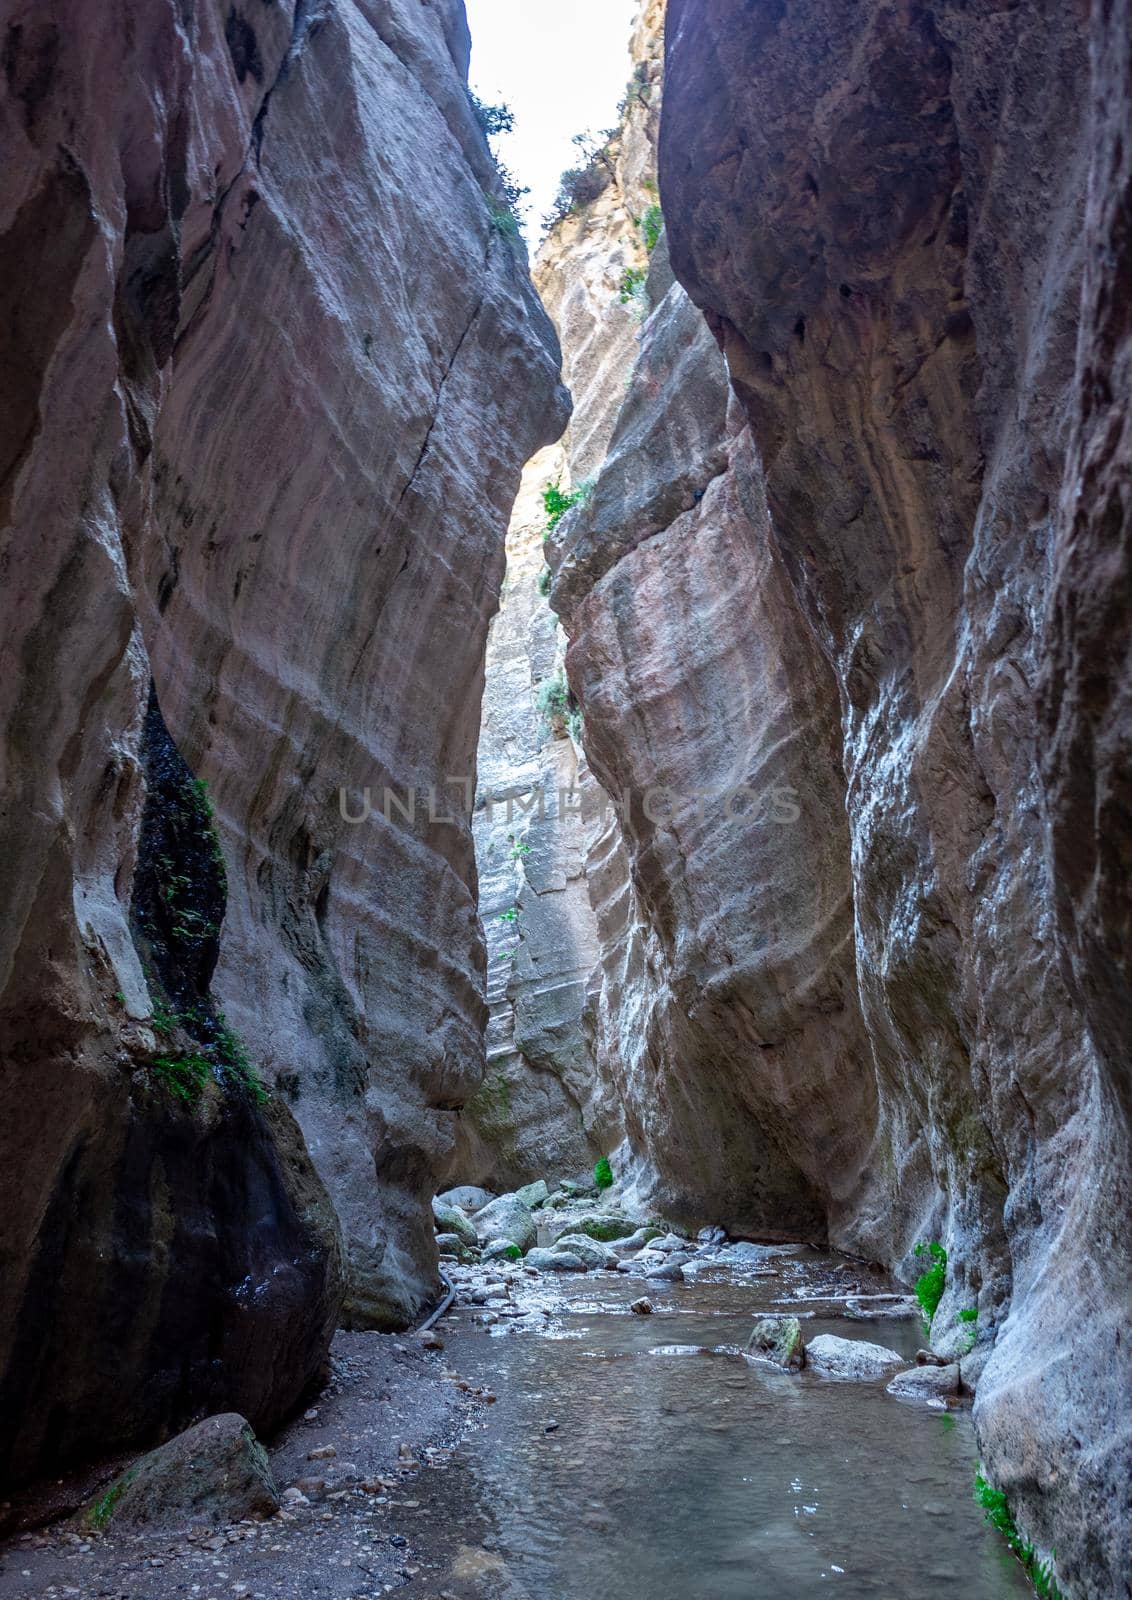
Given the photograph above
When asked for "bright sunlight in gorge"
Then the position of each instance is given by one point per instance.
(561, 66)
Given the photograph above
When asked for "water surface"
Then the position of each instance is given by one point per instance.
(622, 1462)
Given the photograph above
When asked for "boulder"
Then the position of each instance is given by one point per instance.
(932, 1385)
(588, 1250)
(641, 1307)
(467, 1197)
(555, 1261)
(851, 1359)
(637, 1240)
(507, 1218)
(779, 1341)
(450, 1245)
(501, 1250)
(451, 1219)
(534, 1194)
(605, 1227)
(215, 1472)
(670, 1271)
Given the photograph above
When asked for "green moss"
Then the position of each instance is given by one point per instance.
(603, 1174)
(997, 1512)
(101, 1512)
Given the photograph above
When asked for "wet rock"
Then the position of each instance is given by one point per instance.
(507, 1218)
(671, 1271)
(450, 1219)
(712, 1236)
(899, 1308)
(933, 1385)
(216, 1473)
(669, 1244)
(636, 1240)
(555, 1261)
(605, 1227)
(595, 1256)
(467, 1197)
(642, 1307)
(778, 1340)
(851, 1359)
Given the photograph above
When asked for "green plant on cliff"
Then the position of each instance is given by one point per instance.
(997, 1512)
(930, 1285)
(519, 848)
(183, 1076)
(580, 186)
(969, 1315)
(652, 226)
(556, 502)
(494, 120)
(511, 915)
(632, 285)
(603, 1174)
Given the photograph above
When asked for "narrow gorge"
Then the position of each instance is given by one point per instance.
(566, 968)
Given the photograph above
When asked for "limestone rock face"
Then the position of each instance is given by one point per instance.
(880, 210)
(271, 370)
(544, 1107)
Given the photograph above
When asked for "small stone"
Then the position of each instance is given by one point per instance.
(779, 1341)
(668, 1272)
(641, 1307)
(312, 1488)
(324, 1452)
(431, 1341)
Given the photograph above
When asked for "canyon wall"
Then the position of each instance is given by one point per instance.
(545, 1108)
(892, 582)
(272, 364)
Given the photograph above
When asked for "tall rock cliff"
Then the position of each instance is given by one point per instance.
(545, 1108)
(272, 364)
(894, 584)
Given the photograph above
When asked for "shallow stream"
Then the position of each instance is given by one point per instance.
(628, 1458)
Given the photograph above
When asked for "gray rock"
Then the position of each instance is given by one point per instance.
(852, 1359)
(467, 1197)
(450, 1219)
(533, 1194)
(933, 1385)
(507, 1218)
(555, 1261)
(215, 1472)
(605, 1226)
(642, 1307)
(779, 1341)
(636, 1240)
(669, 1244)
(501, 1250)
(594, 1255)
(712, 1236)
(670, 1271)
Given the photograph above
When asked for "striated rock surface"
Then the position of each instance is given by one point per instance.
(544, 1108)
(271, 367)
(881, 210)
